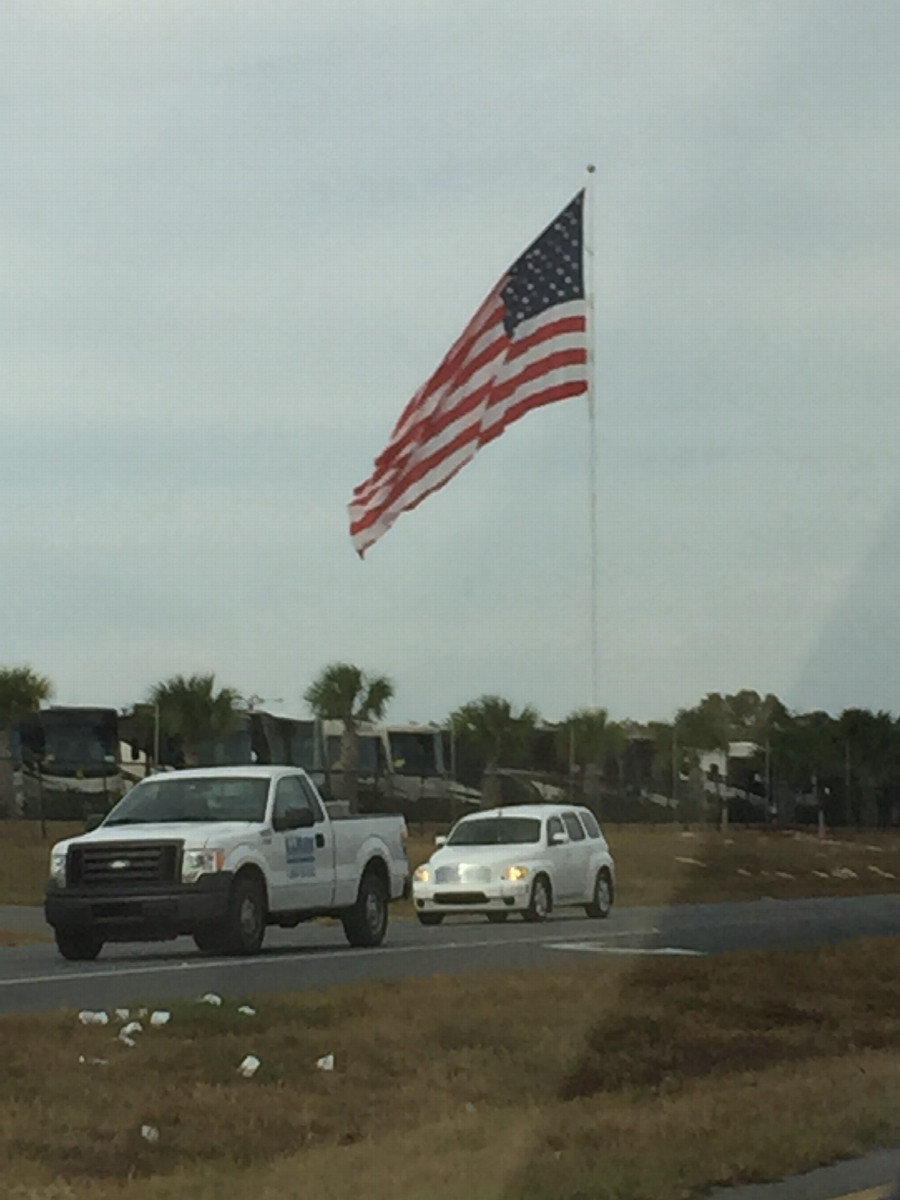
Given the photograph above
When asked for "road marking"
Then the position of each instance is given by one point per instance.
(306, 954)
(876, 1193)
(600, 948)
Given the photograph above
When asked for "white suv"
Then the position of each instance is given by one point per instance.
(526, 859)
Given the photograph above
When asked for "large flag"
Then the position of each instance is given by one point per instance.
(525, 347)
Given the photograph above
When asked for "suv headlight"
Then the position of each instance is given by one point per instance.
(58, 866)
(422, 874)
(514, 874)
(195, 863)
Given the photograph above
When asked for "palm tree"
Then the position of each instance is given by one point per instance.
(342, 692)
(496, 730)
(22, 691)
(581, 740)
(193, 711)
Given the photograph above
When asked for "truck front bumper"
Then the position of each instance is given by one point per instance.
(148, 915)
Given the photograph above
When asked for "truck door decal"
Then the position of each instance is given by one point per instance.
(301, 856)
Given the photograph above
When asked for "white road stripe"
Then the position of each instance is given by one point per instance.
(319, 953)
(600, 948)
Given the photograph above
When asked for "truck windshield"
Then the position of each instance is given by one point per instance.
(172, 799)
(495, 831)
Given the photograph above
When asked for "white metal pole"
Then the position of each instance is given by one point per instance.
(592, 426)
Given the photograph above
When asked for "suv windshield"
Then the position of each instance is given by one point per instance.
(172, 799)
(495, 831)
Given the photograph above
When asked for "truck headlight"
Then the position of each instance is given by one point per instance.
(514, 874)
(58, 867)
(195, 863)
(422, 874)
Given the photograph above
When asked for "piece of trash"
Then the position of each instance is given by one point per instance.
(728, 842)
(470, 1107)
(127, 1041)
(844, 873)
(744, 871)
(93, 1062)
(122, 1014)
(141, 1014)
(130, 1028)
(210, 998)
(875, 849)
(690, 862)
(249, 1066)
(160, 1017)
(785, 875)
(883, 874)
(326, 1062)
(247, 1011)
(86, 1017)
(821, 874)
(149, 1133)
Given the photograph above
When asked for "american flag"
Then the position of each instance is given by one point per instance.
(524, 348)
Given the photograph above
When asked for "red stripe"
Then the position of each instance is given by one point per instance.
(559, 391)
(572, 356)
(545, 332)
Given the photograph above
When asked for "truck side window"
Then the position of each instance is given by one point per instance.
(311, 799)
(289, 795)
(573, 827)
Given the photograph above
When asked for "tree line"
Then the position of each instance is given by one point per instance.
(846, 767)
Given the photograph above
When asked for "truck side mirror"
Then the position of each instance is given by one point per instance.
(440, 840)
(293, 818)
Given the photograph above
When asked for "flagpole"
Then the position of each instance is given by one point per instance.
(592, 429)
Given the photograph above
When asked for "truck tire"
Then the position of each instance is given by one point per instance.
(80, 946)
(430, 918)
(245, 925)
(365, 924)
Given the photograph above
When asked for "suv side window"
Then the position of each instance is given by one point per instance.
(289, 794)
(573, 827)
(554, 825)
(589, 821)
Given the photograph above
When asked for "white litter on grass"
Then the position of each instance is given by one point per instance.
(130, 1028)
(875, 849)
(247, 1011)
(844, 873)
(728, 842)
(127, 1041)
(470, 1107)
(326, 1062)
(249, 1066)
(687, 833)
(690, 862)
(160, 1017)
(821, 874)
(93, 1062)
(141, 1014)
(785, 875)
(122, 1014)
(86, 1017)
(211, 998)
(744, 871)
(150, 1133)
(883, 874)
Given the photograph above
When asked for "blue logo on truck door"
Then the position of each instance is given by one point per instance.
(301, 856)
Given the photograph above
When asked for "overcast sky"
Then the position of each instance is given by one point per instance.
(235, 238)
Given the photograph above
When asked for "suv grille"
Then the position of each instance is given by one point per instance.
(123, 864)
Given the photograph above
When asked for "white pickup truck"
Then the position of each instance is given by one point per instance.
(221, 853)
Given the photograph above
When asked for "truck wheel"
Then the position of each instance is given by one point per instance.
(210, 940)
(601, 904)
(78, 947)
(245, 924)
(365, 923)
(430, 918)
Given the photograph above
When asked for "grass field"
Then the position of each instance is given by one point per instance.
(614, 1080)
(656, 865)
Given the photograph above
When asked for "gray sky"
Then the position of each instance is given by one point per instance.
(235, 238)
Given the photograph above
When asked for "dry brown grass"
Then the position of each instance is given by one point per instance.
(13, 937)
(739, 865)
(598, 1080)
(25, 857)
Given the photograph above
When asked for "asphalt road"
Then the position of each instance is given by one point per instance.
(34, 978)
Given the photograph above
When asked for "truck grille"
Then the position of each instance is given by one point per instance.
(123, 864)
